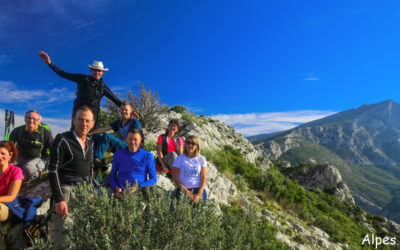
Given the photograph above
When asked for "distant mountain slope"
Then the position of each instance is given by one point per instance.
(363, 143)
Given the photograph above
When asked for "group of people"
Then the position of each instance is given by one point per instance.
(71, 157)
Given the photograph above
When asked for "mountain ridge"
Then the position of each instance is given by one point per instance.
(361, 142)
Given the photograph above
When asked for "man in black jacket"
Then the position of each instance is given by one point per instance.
(33, 142)
(91, 88)
(71, 163)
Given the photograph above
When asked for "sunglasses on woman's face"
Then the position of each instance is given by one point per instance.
(191, 143)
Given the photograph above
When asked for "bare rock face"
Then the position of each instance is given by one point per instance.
(213, 134)
(324, 177)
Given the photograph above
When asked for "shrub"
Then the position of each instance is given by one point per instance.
(178, 109)
(153, 221)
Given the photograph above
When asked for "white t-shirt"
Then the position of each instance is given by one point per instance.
(190, 168)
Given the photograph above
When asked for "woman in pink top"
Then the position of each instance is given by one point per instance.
(10, 177)
(169, 146)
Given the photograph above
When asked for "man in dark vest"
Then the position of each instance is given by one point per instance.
(91, 88)
(33, 142)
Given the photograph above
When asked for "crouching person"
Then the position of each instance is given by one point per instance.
(33, 142)
(10, 177)
(169, 146)
(71, 163)
(132, 165)
(190, 171)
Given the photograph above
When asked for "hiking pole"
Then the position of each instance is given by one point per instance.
(9, 124)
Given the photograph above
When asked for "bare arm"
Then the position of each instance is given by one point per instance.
(101, 130)
(160, 156)
(203, 175)
(13, 191)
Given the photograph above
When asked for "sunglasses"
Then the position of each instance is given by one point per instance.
(190, 143)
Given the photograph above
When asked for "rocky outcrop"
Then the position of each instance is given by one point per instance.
(213, 134)
(324, 177)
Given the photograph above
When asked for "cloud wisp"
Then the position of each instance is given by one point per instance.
(263, 123)
(11, 94)
(56, 125)
(310, 79)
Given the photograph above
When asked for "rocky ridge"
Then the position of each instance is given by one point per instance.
(365, 136)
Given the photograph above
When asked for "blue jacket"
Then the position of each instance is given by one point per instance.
(131, 167)
(24, 207)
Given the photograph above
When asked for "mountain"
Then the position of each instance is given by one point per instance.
(363, 143)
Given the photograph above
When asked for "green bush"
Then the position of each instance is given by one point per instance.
(154, 221)
(178, 109)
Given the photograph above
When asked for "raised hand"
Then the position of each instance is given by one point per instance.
(45, 57)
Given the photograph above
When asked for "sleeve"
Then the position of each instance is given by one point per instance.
(13, 135)
(110, 95)
(17, 174)
(47, 144)
(180, 142)
(65, 75)
(177, 162)
(159, 139)
(203, 162)
(151, 171)
(114, 170)
(136, 124)
(115, 125)
(56, 160)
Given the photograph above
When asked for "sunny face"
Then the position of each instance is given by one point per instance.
(173, 128)
(83, 122)
(96, 73)
(126, 111)
(5, 156)
(32, 121)
(133, 140)
(190, 147)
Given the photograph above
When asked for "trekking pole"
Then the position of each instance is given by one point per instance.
(9, 124)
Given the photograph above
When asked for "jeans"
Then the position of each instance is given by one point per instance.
(102, 142)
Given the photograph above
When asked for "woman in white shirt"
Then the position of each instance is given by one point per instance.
(190, 170)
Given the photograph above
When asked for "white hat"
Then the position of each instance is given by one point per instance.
(98, 65)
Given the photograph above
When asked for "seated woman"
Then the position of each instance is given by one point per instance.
(190, 170)
(10, 177)
(132, 165)
(169, 146)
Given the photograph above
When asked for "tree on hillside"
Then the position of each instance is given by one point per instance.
(147, 104)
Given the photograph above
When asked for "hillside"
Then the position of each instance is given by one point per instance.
(363, 143)
(255, 204)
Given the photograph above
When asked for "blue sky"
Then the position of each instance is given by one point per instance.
(261, 66)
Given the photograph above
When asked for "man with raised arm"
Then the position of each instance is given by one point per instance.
(71, 163)
(33, 142)
(91, 88)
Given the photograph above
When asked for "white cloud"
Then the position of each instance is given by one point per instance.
(56, 125)
(262, 123)
(11, 94)
(310, 79)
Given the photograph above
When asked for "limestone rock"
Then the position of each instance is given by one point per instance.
(324, 177)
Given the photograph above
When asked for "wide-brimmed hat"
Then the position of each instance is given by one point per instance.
(98, 65)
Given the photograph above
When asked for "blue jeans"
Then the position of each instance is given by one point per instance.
(102, 142)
